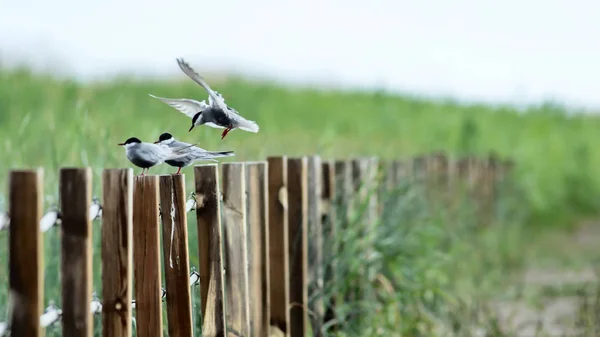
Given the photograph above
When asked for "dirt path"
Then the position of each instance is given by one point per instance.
(554, 296)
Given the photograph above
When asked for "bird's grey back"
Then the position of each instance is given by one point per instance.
(144, 155)
(194, 153)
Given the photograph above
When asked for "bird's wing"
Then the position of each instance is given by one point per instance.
(213, 103)
(177, 144)
(232, 110)
(183, 145)
(218, 100)
(189, 107)
(152, 152)
(245, 124)
(177, 152)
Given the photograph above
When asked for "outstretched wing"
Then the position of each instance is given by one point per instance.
(189, 107)
(211, 102)
(213, 97)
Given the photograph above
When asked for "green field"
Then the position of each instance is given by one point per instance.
(51, 123)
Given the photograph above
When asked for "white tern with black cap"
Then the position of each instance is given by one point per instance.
(194, 153)
(215, 114)
(147, 155)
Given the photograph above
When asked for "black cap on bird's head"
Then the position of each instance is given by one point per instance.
(194, 119)
(163, 137)
(130, 141)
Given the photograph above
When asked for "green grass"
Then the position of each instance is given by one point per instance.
(431, 271)
(50, 123)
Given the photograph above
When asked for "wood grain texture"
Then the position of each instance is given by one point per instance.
(402, 172)
(364, 185)
(235, 249)
(298, 245)
(364, 173)
(176, 255)
(417, 170)
(389, 177)
(315, 239)
(117, 251)
(343, 191)
(26, 264)
(344, 205)
(373, 182)
(329, 213)
(258, 247)
(278, 244)
(208, 214)
(76, 255)
(146, 257)
(360, 185)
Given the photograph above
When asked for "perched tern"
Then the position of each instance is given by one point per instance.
(193, 153)
(147, 155)
(215, 114)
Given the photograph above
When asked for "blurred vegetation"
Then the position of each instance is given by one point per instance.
(49, 122)
(432, 273)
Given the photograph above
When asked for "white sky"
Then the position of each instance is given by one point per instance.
(508, 51)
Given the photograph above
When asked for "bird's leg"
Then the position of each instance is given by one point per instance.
(178, 170)
(225, 132)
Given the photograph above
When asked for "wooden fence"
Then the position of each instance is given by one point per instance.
(262, 230)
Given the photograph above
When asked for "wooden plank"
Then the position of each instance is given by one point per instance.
(386, 185)
(146, 256)
(258, 247)
(76, 255)
(437, 177)
(462, 168)
(315, 239)
(402, 172)
(298, 245)
(360, 169)
(452, 172)
(278, 243)
(117, 251)
(454, 184)
(208, 214)
(390, 175)
(175, 254)
(364, 173)
(343, 191)
(329, 232)
(235, 248)
(26, 260)
(417, 170)
(344, 210)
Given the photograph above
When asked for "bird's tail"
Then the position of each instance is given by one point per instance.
(219, 154)
(247, 125)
